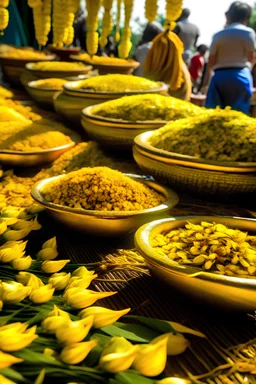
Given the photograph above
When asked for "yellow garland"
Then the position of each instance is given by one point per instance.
(73, 6)
(42, 19)
(4, 15)
(173, 11)
(60, 22)
(118, 17)
(47, 9)
(106, 23)
(151, 10)
(4, 3)
(92, 7)
(126, 45)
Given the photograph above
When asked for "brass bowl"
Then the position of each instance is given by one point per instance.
(221, 178)
(57, 74)
(102, 223)
(232, 293)
(73, 100)
(104, 69)
(36, 158)
(115, 133)
(13, 68)
(43, 96)
(64, 53)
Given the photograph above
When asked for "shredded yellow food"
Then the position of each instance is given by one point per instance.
(27, 112)
(5, 93)
(54, 84)
(146, 107)
(23, 54)
(28, 136)
(56, 66)
(9, 114)
(118, 83)
(215, 135)
(102, 59)
(102, 189)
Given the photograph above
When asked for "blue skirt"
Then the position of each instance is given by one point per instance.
(231, 87)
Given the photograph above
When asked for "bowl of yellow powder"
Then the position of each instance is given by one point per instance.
(102, 201)
(57, 69)
(43, 91)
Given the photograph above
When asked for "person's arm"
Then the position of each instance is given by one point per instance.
(212, 60)
(251, 47)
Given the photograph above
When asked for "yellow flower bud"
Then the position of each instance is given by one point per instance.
(3, 226)
(182, 329)
(173, 380)
(81, 298)
(47, 254)
(42, 294)
(52, 323)
(82, 272)
(76, 353)
(58, 312)
(27, 278)
(11, 235)
(51, 243)
(13, 293)
(81, 282)
(22, 264)
(53, 266)
(11, 244)
(9, 254)
(118, 355)
(74, 331)
(59, 280)
(151, 358)
(16, 327)
(15, 341)
(102, 316)
(4, 380)
(7, 360)
(10, 211)
(23, 224)
(9, 220)
(34, 209)
(176, 343)
(50, 352)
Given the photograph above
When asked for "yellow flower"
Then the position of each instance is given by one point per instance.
(7, 360)
(9, 220)
(42, 294)
(76, 353)
(81, 282)
(4, 380)
(82, 272)
(11, 235)
(47, 254)
(59, 280)
(151, 358)
(51, 324)
(9, 254)
(22, 264)
(11, 341)
(81, 298)
(29, 279)
(34, 209)
(50, 352)
(118, 355)
(51, 243)
(102, 316)
(1, 305)
(173, 380)
(75, 331)
(13, 293)
(3, 226)
(13, 243)
(23, 224)
(182, 329)
(58, 312)
(16, 327)
(10, 211)
(176, 343)
(53, 266)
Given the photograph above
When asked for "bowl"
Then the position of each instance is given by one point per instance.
(64, 53)
(102, 223)
(115, 133)
(13, 68)
(71, 101)
(195, 175)
(36, 158)
(42, 96)
(104, 69)
(57, 74)
(232, 293)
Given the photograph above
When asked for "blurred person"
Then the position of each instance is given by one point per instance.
(188, 33)
(197, 65)
(231, 56)
(80, 29)
(151, 31)
(14, 34)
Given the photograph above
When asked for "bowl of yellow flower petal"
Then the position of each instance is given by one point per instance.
(213, 153)
(212, 259)
(43, 91)
(24, 143)
(106, 64)
(116, 123)
(78, 95)
(102, 201)
(13, 62)
(57, 69)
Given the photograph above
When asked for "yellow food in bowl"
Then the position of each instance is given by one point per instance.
(101, 189)
(146, 107)
(25, 111)
(5, 93)
(102, 59)
(23, 54)
(118, 83)
(54, 84)
(9, 114)
(56, 66)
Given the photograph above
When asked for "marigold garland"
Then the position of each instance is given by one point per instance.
(92, 35)
(4, 15)
(126, 45)
(118, 17)
(150, 10)
(106, 23)
(173, 11)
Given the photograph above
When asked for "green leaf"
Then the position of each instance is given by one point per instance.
(31, 358)
(159, 325)
(131, 377)
(102, 339)
(133, 332)
(13, 375)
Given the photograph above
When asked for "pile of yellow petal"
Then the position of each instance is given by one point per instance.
(104, 60)
(5, 93)
(51, 84)
(23, 54)
(57, 66)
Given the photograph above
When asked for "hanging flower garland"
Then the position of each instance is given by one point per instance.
(4, 15)
(150, 10)
(106, 23)
(92, 36)
(118, 17)
(73, 6)
(126, 45)
(42, 19)
(60, 22)
(173, 12)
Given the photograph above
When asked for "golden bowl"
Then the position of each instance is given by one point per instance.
(104, 69)
(232, 293)
(64, 53)
(105, 223)
(115, 133)
(191, 174)
(57, 74)
(73, 100)
(42, 96)
(36, 158)
(13, 68)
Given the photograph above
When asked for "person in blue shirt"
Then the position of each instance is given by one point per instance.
(14, 34)
(231, 55)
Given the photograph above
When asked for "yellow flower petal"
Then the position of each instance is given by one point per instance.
(13, 293)
(75, 331)
(76, 353)
(81, 282)
(81, 298)
(103, 317)
(58, 312)
(7, 360)
(47, 254)
(53, 266)
(42, 294)
(51, 243)
(51, 324)
(17, 341)
(176, 343)
(22, 264)
(59, 280)
(82, 272)
(4, 380)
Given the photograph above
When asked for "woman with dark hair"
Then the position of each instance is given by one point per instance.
(151, 31)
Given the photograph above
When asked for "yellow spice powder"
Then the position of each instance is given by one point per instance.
(101, 189)
(54, 84)
(57, 66)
